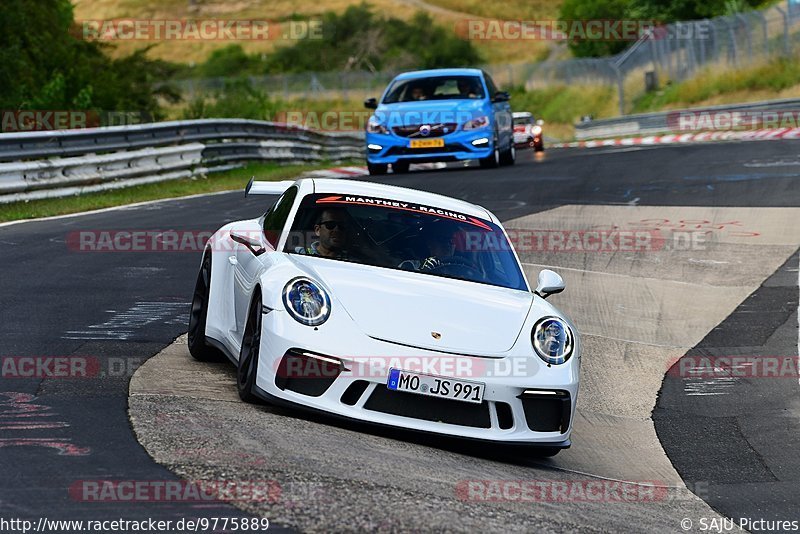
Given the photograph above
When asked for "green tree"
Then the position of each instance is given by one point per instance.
(359, 39)
(676, 10)
(45, 64)
(585, 10)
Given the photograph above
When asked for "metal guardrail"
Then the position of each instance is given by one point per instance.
(656, 123)
(57, 163)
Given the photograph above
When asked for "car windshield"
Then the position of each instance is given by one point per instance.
(435, 88)
(401, 235)
(522, 121)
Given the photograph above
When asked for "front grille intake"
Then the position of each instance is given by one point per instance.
(547, 411)
(307, 373)
(426, 408)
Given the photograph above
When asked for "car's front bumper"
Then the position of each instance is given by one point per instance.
(532, 407)
(457, 146)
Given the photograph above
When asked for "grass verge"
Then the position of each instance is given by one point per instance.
(561, 106)
(778, 78)
(224, 181)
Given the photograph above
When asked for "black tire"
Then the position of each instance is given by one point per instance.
(376, 169)
(247, 367)
(509, 157)
(493, 160)
(198, 314)
(545, 452)
(401, 167)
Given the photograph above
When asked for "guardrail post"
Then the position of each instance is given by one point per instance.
(668, 56)
(748, 38)
(620, 87)
(785, 16)
(732, 52)
(701, 40)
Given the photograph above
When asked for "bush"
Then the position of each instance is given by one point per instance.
(230, 61)
(357, 39)
(239, 99)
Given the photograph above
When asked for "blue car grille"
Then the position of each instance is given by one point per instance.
(436, 130)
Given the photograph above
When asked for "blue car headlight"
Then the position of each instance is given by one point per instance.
(476, 123)
(306, 302)
(552, 340)
(374, 126)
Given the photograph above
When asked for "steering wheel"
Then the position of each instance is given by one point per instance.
(457, 266)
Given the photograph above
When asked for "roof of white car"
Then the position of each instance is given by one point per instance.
(521, 114)
(390, 192)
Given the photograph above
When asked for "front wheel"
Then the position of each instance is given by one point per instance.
(492, 160)
(401, 167)
(198, 316)
(247, 367)
(376, 169)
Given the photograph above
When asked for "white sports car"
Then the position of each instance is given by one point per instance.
(389, 306)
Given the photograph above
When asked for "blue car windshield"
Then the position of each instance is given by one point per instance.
(435, 88)
(402, 235)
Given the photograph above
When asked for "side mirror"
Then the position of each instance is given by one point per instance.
(501, 96)
(540, 122)
(549, 283)
(371, 103)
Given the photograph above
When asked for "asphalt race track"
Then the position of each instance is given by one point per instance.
(714, 445)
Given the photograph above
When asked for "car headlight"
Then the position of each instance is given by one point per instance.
(552, 340)
(374, 126)
(306, 302)
(478, 122)
(536, 130)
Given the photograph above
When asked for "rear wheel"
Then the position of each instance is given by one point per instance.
(198, 347)
(509, 157)
(377, 168)
(247, 367)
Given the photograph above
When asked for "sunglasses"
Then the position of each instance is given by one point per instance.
(331, 225)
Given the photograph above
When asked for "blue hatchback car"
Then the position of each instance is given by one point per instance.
(439, 115)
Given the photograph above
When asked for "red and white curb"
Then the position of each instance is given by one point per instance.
(749, 135)
(338, 172)
(350, 172)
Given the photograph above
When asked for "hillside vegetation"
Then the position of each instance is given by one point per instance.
(444, 13)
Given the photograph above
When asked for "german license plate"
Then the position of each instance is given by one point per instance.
(427, 143)
(436, 386)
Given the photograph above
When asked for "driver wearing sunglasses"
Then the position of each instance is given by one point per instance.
(331, 229)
